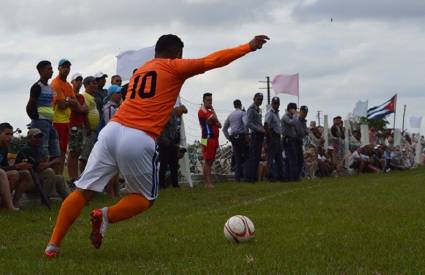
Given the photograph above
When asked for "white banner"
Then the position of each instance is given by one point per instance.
(130, 60)
(360, 110)
(415, 122)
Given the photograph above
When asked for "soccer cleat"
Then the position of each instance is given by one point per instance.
(52, 251)
(99, 223)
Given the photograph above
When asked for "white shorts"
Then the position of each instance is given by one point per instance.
(128, 150)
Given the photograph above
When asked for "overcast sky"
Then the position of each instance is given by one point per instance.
(370, 51)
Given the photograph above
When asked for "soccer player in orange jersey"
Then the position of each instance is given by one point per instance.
(127, 143)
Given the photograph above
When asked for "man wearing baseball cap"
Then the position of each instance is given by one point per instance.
(77, 121)
(93, 119)
(33, 153)
(110, 107)
(273, 128)
(101, 93)
(289, 121)
(302, 132)
(63, 101)
(255, 125)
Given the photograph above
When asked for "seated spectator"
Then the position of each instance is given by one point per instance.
(12, 177)
(324, 162)
(315, 137)
(310, 162)
(378, 157)
(362, 160)
(33, 153)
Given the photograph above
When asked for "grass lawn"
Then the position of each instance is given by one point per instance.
(363, 224)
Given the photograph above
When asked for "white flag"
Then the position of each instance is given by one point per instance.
(360, 110)
(415, 122)
(130, 60)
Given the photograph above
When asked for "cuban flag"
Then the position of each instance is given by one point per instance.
(381, 111)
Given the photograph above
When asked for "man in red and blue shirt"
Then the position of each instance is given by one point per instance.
(210, 126)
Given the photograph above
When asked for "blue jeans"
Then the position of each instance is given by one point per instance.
(50, 136)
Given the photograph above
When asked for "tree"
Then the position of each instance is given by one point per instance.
(379, 125)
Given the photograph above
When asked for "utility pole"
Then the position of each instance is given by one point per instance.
(266, 88)
(404, 113)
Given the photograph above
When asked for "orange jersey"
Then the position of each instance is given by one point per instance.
(153, 89)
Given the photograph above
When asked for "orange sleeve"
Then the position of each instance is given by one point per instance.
(186, 68)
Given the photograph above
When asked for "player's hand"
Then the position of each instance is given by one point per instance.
(258, 42)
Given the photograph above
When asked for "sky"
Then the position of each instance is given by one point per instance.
(370, 50)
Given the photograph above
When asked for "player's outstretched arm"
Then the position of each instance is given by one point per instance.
(191, 67)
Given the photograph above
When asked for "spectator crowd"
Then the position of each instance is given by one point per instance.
(279, 147)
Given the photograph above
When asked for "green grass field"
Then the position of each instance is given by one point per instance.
(362, 225)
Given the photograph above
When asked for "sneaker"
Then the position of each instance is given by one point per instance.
(99, 223)
(52, 251)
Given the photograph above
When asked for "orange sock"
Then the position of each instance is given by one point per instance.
(70, 210)
(128, 207)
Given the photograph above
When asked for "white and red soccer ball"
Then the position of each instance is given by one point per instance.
(239, 229)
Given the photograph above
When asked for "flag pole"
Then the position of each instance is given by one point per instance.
(298, 92)
(395, 111)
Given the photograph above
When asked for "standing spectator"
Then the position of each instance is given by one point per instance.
(302, 132)
(101, 93)
(355, 140)
(255, 125)
(35, 154)
(93, 118)
(168, 150)
(290, 143)
(337, 142)
(62, 103)
(40, 108)
(110, 107)
(77, 121)
(12, 177)
(125, 87)
(210, 130)
(237, 137)
(116, 80)
(373, 137)
(273, 129)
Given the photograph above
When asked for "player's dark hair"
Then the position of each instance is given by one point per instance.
(168, 44)
(237, 103)
(4, 126)
(42, 64)
(206, 94)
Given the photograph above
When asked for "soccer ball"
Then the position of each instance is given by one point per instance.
(239, 229)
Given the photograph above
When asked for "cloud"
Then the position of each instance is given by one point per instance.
(357, 10)
(57, 17)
